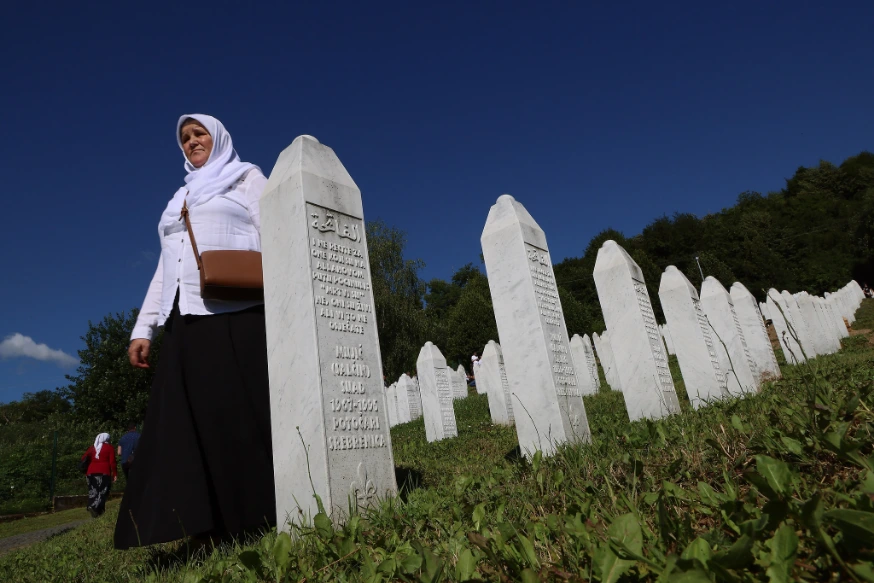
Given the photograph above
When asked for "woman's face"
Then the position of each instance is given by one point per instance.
(196, 143)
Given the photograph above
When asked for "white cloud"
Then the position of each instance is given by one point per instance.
(21, 346)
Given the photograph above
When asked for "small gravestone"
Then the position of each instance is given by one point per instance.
(640, 355)
(391, 398)
(328, 415)
(462, 374)
(435, 388)
(493, 376)
(608, 361)
(591, 364)
(827, 323)
(581, 364)
(719, 309)
(835, 313)
(756, 335)
(534, 339)
(791, 349)
(703, 361)
(405, 399)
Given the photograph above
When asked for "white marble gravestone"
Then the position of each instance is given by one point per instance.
(818, 336)
(416, 398)
(702, 359)
(462, 374)
(327, 402)
(608, 361)
(835, 311)
(406, 399)
(542, 379)
(791, 349)
(831, 320)
(666, 336)
(435, 387)
(796, 319)
(641, 360)
(755, 334)
(493, 375)
(719, 309)
(826, 323)
(459, 387)
(591, 365)
(581, 364)
(391, 398)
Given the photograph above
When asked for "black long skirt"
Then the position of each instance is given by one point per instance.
(98, 493)
(204, 463)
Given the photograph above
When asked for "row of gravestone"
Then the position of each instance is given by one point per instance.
(330, 413)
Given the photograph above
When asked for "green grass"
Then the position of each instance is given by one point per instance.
(14, 527)
(777, 486)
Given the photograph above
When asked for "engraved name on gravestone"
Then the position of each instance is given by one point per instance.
(590, 362)
(435, 389)
(326, 394)
(641, 361)
(541, 377)
(719, 309)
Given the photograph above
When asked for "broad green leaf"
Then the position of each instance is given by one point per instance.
(529, 576)
(698, 549)
(528, 549)
(708, 494)
(868, 483)
(776, 472)
(250, 559)
(411, 563)
(388, 566)
(323, 525)
(610, 566)
(479, 512)
(737, 556)
(738, 424)
(282, 551)
(864, 571)
(692, 576)
(854, 524)
(626, 530)
(784, 545)
(466, 565)
(793, 445)
(812, 512)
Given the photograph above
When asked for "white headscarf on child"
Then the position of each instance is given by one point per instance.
(98, 443)
(223, 168)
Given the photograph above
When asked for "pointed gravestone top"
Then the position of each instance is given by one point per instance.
(719, 307)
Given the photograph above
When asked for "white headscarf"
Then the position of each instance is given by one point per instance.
(222, 169)
(98, 443)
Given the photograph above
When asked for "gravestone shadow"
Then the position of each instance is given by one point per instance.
(408, 479)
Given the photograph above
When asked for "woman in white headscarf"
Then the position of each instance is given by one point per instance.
(204, 461)
(101, 472)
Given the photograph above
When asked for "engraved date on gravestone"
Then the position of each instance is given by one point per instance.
(444, 395)
(346, 333)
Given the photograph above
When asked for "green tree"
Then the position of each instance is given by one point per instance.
(471, 321)
(106, 387)
(34, 407)
(398, 294)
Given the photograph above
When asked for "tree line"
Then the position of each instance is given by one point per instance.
(814, 234)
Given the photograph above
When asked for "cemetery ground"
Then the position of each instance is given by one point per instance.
(778, 486)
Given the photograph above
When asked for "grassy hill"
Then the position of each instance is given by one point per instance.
(777, 486)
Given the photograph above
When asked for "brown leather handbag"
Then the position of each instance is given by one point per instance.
(227, 274)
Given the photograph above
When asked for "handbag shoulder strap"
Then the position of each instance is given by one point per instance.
(191, 234)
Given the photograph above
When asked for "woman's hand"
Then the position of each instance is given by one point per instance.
(138, 352)
(114, 479)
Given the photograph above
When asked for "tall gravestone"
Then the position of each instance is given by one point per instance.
(641, 360)
(493, 376)
(435, 386)
(327, 404)
(795, 319)
(590, 362)
(702, 359)
(534, 339)
(581, 364)
(608, 361)
(406, 399)
(835, 312)
(791, 349)
(827, 324)
(754, 331)
(719, 309)
(666, 336)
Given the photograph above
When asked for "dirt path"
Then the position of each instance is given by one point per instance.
(28, 538)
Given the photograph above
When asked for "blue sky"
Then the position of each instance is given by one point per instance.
(592, 116)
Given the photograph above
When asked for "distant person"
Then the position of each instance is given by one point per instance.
(127, 445)
(100, 474)
(205, 459)
(867, 291)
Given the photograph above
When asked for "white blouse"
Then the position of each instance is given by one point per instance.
(227, 221)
